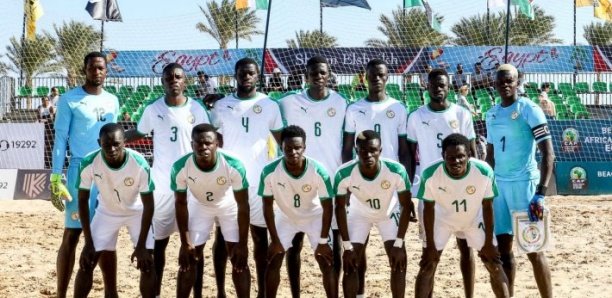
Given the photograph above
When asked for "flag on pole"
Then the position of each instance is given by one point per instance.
(412, 3)
(583, 3)
(431, 18)
(105, 10)
(496, 3)
(336, 3)
(254, 4)
(603, 9)
(525, 7)
(33, 11)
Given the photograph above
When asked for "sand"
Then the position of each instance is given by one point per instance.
(581, 261)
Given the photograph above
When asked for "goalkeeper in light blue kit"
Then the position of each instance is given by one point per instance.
(81, 112)
(514, 128)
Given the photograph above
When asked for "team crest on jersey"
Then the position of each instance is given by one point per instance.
(221, 180)
(257, 109)
(306, 188)
(385, 184)
(75, 215)
(514, 115)
(453, 123)
(191, 119)
(390, 114)
(331, 112)
(129, 181)
(470, 189)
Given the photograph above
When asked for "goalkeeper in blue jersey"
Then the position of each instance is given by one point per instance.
(514, 128)
(81, 112)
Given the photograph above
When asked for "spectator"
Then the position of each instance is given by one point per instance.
(462, 100)
(479, 78)
(294, 82)
(548, 107)
(275, 83)
(359, 82)
(202, 86)
(459, 78)
(520, 89)
(126, 117)
(46, 114)
(332, 83)
(407, 78)
(424, 77)
(54, 96)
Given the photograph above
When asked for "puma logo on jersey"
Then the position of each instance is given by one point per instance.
(356, 187)
(426, 123)
(230, 107)
(83, 103)
(117, 193)
(442, 188)
(281, 184)
(362, 112)
(304, 109)
(160, 117)
(98, 175)
(191, 178)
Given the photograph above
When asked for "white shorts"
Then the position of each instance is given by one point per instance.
(105, 230)
(475, 236)
(202, 220)
(420, 209)
(359, 227)
(256, 206)
(164, 219)
(287, 229)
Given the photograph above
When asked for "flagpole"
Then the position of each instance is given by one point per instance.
(262, 77)
(101, 35)
(22, 42)
(488, 23)
(575, 65)
(507, 32)
(236, 12)
(321, 15)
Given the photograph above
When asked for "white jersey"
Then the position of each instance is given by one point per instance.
(458, 201)
(214, 188)
(118, 189)
(322, 120)
(246, 125)
(171, 127)
(428, 128)
(388, 118)
(298, 198)
(374, 199)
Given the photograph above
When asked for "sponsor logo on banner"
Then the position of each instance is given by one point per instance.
(8, 179)
(578, 178)
(32, 185)
(22, 145)
(570, 140)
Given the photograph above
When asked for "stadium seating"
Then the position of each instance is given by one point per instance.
(391, 87)
(582, 87)
(600, 87)
(224, 89)
(360, 94)
(414, 86)
(126, 89)
(42, 91)
(61, 89)
(25, 91)
(566, 89)
(143, 89)
(111, 89)
(275, 95)
(564, 115)
(158, 89)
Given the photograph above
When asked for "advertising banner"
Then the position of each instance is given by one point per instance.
(583, 178)
(32, 185)
(22, 146)
(582, 140)
(8, 179)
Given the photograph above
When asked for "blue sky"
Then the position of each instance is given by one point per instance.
(157, 24)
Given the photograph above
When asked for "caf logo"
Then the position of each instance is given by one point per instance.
(578, 178)
(471, 189)
(191, 119)
(306, 188)
(129, 181)
(390, 114)
(331, 112)
(570, 140)
(385, 184)
(514, 115)
(453, 124)
(221, 180)
(257, 109)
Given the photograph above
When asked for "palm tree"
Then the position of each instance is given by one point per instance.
(74, 41)
(312, 39)
(32, 57)
(475, 30)
(598, 34)
(221, 22)
(407, 29)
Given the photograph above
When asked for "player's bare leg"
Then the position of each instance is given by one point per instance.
(330, 283)
(186, 276)
(199, 279)
(398, 277)
(273, 274)
(425, 278)
(240, 276)
(363, 267)
(147, 280)
(294, 264)
(468, 268)
(65, 260)
(541, 273)
(350, 281)
(219, 262)
(108, 266)
(337, 251)
(499, 282)
(84, 278)
(260, 251)
(504, 245)
(159, 258)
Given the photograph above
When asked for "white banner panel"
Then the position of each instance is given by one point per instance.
(8, 179)
(22, 146)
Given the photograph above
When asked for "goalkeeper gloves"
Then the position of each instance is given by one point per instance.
(536, 207)
(59, 192)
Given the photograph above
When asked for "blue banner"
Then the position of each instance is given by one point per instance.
(583, 178)
(526, 58)
(582, 140)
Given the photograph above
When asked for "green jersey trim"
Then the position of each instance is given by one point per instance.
(207, 171)
(342, 174)
(316, 100)
(467, 171)
(306, 164)
(238, 166)
(450, 104)
(323, 174)
(176, 168)
(127, 157)
(142, 162)
(375, 176)
(177, 106)
(427, 174)
(398, 169)
(269, 169)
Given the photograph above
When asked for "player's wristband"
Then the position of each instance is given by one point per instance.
(399, 242)
(322, 240)
(541, 189)
(347, 245)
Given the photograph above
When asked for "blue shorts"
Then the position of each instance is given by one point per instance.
(512, 196)
(72, 208)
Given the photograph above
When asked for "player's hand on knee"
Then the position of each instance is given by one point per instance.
(88, 257)
(275, 248)
(430, 255)
(187, 256)
(59, 192)
(324, 254)
(536, 207)
(349, 260)
(489, 253)
(240, 254)
(144, 260)
(397, 256)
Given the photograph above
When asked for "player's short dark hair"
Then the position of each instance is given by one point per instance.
(545, 85)
(172, 66)
(202, 128)
(293, 131)
(92, 55)
(200, 73)
(375, 62)
(437, 72)
(109, 128)
(316, 60)
(365, 136)
(245, 61)
(455, 139)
